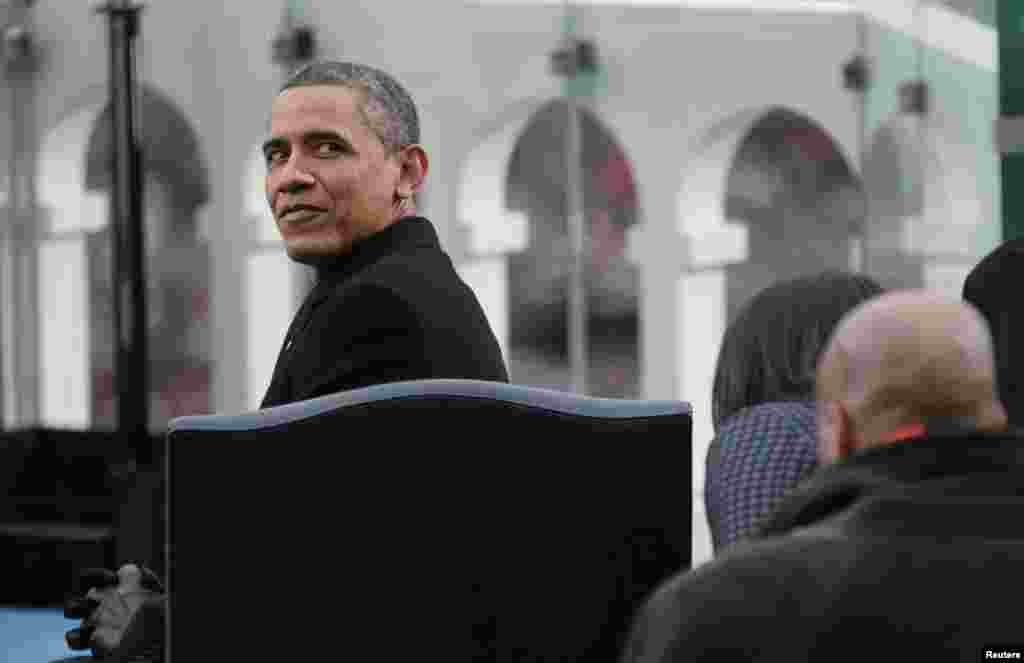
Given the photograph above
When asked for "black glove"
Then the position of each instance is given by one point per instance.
(122, 614)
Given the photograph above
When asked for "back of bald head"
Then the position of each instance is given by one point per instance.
(906, 357)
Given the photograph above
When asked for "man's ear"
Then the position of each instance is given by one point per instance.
(414, 164)
(835, 432)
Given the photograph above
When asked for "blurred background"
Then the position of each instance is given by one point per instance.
(613, 179)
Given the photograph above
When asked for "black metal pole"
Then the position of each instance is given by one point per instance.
(132, 363)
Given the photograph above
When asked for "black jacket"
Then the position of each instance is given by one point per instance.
(993, 286)
(394, 309)
(913, 551)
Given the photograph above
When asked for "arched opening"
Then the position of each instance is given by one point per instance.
(802, 204)
(538, 278)
(176, 185)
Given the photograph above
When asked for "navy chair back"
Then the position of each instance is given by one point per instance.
(421, 518)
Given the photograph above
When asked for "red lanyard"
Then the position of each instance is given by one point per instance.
(904, 432)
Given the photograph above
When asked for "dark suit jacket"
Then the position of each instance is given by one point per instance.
(394, 309)
(910, 551)
(992, 286)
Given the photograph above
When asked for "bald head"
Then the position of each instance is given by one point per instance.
(902, 358)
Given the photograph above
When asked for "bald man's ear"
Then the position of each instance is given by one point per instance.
(835, 433)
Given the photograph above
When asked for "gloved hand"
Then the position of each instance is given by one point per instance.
(122, 614)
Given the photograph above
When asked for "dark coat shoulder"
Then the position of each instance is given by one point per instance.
(395, 310)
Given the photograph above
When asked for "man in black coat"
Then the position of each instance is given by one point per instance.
(907, 544)
(343, 165)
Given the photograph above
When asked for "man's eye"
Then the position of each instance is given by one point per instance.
(328, 149)
(274, 156)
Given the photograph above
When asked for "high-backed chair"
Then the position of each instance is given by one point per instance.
(425, 520)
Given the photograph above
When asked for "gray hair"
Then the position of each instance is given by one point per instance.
(387, 109)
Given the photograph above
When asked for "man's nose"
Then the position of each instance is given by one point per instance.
(294, 178)
(295, 185)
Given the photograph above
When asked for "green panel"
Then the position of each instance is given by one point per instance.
(982, 11)
(894, 58)
(1013, 201)
(590, 84)
(1011, 84)
(1011, 56)
(963, 100)
(966, 98)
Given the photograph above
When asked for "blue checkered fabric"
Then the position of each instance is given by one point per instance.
(758, 456)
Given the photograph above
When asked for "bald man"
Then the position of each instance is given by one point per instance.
(907, 544)
(901, 360)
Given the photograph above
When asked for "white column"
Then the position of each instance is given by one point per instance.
(702, 322)
(692, 258)
(657, 252)
(65, 389)
(274, 285)
(487, 276)
(487, 246)
(944, 252)
(8, 346)
(948, 276)
(66, 213)
(271, 283)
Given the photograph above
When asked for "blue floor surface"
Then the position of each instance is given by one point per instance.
(34, 635)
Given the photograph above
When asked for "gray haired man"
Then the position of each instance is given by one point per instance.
(343, 165)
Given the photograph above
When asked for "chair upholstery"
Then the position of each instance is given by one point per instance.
(424, 517)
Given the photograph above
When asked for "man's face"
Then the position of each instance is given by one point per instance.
(330, 181)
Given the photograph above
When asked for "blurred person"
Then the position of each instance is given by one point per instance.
(343, 165)
(990, 287)
(905, 544)
(763, 397)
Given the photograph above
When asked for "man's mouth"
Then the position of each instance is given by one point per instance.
(301, 214)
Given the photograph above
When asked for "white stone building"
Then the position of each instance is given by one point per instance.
(732, 154)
